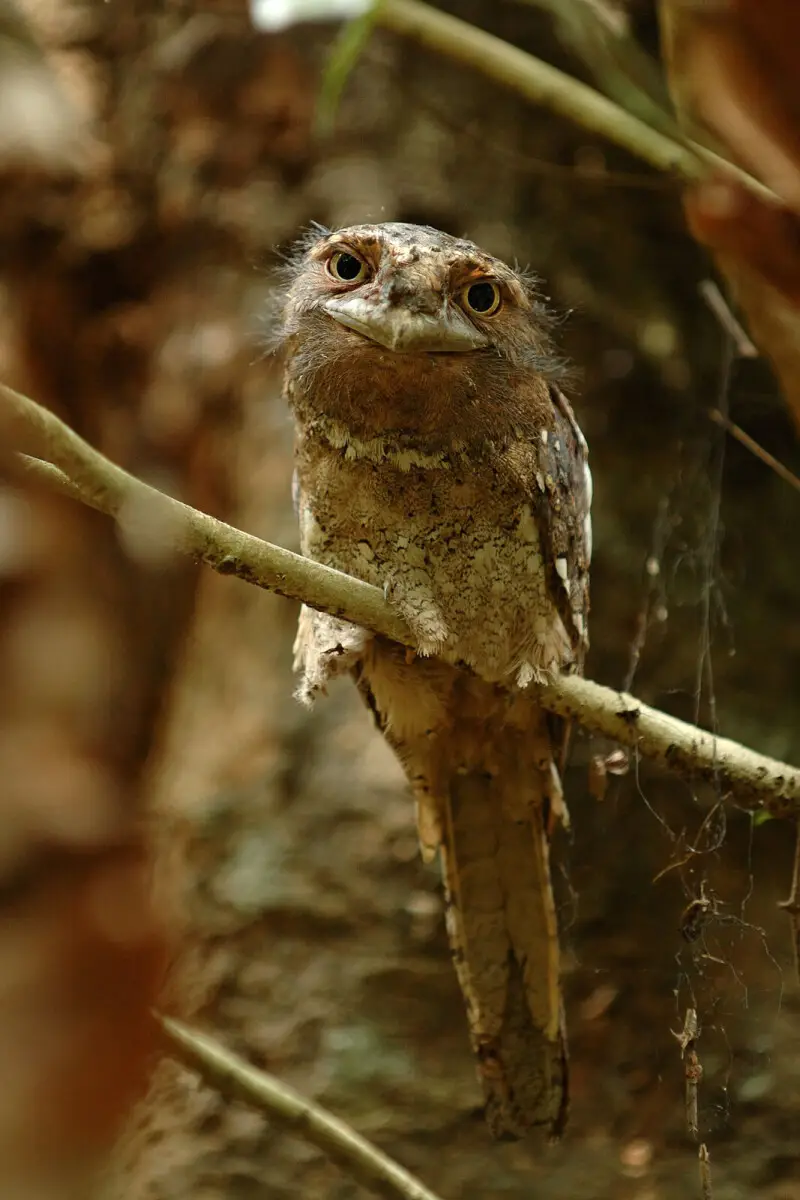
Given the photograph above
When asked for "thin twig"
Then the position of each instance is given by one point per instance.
(539, 82)
(692, 1070)
(721, 309)
(686, 1036)
(704, 1161)
(237, 1079)
(792, 905)
(76, 469)
(693, 1073)
(750, 444)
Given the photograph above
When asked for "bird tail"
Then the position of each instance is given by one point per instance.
(480, 762)
(501, 919)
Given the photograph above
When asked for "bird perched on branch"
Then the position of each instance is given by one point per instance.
(437, 459)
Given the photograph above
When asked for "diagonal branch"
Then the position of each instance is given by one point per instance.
(77, 470)
(543, 84)
(238, 1080)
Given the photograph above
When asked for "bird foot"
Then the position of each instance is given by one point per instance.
(411, 596)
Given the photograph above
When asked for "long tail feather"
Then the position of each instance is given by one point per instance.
(480, 763)
(502, 925)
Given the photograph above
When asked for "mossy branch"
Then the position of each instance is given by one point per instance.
(68, 464)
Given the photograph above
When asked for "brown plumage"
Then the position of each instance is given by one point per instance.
(437, 459)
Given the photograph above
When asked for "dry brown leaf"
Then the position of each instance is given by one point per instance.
(735, 67)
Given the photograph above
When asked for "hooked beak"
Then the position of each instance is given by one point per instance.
(396, 328)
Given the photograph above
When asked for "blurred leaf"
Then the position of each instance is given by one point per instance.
(271, 16)
(346, 51)
(39, 123)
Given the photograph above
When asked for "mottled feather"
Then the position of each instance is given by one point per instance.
(438, 459)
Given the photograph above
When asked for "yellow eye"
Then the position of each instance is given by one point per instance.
(347, 268)
(482, 298)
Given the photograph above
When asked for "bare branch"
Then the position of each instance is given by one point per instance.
(719, 306)
(753, 779)
(539, 82)
(704, 1162)
(79, 471)
(284, 1106)
(752, 445)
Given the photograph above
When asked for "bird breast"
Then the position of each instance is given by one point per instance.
(448, 526)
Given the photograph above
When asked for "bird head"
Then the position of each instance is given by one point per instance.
(420, 325)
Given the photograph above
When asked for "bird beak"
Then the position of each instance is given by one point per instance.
(397, 328)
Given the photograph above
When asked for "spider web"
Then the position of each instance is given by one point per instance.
(710, 979)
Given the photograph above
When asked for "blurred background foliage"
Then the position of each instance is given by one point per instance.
(176, 157)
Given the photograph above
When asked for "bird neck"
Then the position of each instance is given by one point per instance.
(428, 411)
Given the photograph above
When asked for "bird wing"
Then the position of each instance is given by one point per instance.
(564, 517)
(561, 493)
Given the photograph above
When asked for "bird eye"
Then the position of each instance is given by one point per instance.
(347, 267)
(482, 298)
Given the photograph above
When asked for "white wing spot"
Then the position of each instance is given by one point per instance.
(526, 529)
(587, 522)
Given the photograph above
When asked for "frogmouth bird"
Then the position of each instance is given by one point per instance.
(437, 458)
